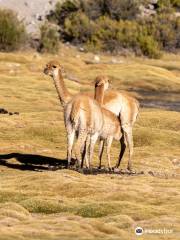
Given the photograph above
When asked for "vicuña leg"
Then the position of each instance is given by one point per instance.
(109, 143)
(101, 149)
(78, 146)
(85, 152)
(70, 141)
(129, 139)
(123, 148)
(93, 140)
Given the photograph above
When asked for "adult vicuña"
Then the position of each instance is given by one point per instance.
(121, 104)
(82, 114)
(111, 128)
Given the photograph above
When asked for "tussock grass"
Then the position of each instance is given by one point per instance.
(36, 203)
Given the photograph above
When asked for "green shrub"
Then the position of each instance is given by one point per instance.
(168, 5)
(112, 25)
(106, 31)
(175, 3)
(49, 39)
(115, 9)
(12, 31)
(94, 44)
(165, 30)
(115, 35)
(106, 34)
(128, 34)
(126, 9)
(177, 29)
(63, 10)
(78, 28)
(93, 9)
(149, 46)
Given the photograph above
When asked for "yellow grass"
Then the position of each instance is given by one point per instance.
(36, 203)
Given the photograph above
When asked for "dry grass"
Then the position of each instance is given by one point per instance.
(36, 203)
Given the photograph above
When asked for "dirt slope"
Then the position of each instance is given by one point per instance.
(32, 12)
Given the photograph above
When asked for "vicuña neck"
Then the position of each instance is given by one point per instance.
(63, 93)
(99, 94)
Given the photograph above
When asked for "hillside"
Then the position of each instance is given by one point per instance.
(39, 199)
(31, 12)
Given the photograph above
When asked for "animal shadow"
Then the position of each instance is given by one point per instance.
(35, 162)
(32, 162)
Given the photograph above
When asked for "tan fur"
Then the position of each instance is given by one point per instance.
(109, 96)
(55, 70)
(85, 117)
(75, 111)
(121, 104)
(82, 114)
(99, 94)
(111, 127)
(101, 84)
(81, 102)
(112, 118)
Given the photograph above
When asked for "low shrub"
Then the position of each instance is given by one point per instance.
(78, 28)
(114, 25)
(93, 9)
(106, 31)
(62, 11)
(149, 46)
(12, 31)
(168, 5)
(114, 35)
(49, 39)
(165, 30)
(126, 9)
(175, 3)
(115, 9)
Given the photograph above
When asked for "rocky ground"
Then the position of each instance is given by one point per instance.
(31, 12)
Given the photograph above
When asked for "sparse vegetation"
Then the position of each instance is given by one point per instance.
(116, 10)
(78, 28)
(12, 31)
(49, 39)
(105, 25)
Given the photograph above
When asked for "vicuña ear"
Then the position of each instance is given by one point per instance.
(100, 83)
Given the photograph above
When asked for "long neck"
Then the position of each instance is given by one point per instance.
(63, 93)
(99, 94)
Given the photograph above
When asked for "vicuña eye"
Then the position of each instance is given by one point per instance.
(54, 66)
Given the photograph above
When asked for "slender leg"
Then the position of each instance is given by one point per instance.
(87, 148)
(123, 148)
(129, 140)
(70, 141)
(85, 152)
(78, 146)
(101, 149)
(109, 143)
(93, 140)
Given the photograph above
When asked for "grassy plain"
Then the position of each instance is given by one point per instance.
(37, 203)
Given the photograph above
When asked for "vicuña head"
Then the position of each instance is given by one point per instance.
(52, 68)
(101, 85)
(102, 80)
(55, 70)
